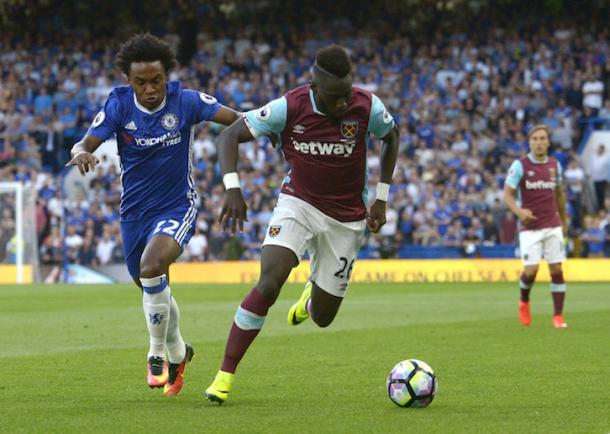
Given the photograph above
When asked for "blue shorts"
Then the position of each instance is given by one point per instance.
(179, 225)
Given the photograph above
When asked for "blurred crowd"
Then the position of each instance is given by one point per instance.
(463, 103)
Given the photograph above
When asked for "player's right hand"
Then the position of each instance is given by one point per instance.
(234, 211)
(526, 215)
(85, 161)
(376, 216)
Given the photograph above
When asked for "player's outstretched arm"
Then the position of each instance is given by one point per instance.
(234, 210)
(226, 115)
(389, 150)
(82, 154)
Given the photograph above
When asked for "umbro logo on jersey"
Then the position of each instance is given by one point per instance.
(298, 129)
(131, 126)
(530, 173)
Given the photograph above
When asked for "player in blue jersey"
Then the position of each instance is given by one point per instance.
(152, 120)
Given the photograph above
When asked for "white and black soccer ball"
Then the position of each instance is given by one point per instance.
(412, 383)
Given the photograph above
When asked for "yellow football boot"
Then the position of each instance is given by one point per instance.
(298, 311)
(220, 387)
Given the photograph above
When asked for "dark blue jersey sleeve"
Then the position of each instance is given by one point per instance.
(202, 107)
(106, 122)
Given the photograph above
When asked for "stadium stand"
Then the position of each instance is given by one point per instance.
(464, 102)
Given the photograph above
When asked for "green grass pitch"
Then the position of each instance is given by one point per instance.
(73, 360)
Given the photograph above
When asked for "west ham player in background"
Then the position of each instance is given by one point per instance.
(153, 120)
(323, 128)
(541, 209)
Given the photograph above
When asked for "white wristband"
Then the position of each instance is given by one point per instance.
(383, 190)
(230, 180)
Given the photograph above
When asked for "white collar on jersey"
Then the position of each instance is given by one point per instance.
(533, 160)
(147, 111)
(313, 103)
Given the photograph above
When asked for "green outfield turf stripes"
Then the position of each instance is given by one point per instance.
(73, 361)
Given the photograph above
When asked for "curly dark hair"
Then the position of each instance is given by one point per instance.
(335, 60)
(144, 47)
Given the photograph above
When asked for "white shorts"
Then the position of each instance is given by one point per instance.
(539, 243)
(332, 245)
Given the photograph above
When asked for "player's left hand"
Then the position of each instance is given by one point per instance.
(234, 211)
(85, 161)
(376, 218)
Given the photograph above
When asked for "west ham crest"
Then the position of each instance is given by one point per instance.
(349, 129)
(169, 121)
(274, 230)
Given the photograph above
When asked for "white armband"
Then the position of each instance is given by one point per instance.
(231, 180)
(383, 191)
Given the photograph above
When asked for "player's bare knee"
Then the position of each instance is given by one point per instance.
(152, 268)
(270, 287)
(271, 281)
(323, 319)
(531, 271)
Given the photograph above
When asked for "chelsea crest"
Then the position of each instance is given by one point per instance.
(169, 121)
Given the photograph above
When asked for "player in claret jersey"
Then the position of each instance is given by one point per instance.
(323, 127)
(152, 120)
(534, 193)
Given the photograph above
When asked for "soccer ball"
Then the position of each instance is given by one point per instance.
(412, 383)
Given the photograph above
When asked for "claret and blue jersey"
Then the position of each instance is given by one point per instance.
(536, 182)
(327, 158)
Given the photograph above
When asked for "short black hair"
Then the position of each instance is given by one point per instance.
(335, 60)
(144, 47)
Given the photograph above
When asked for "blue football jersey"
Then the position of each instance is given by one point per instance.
(154, 146)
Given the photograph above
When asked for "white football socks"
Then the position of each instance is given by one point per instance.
(156, 302)
(176, 349)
